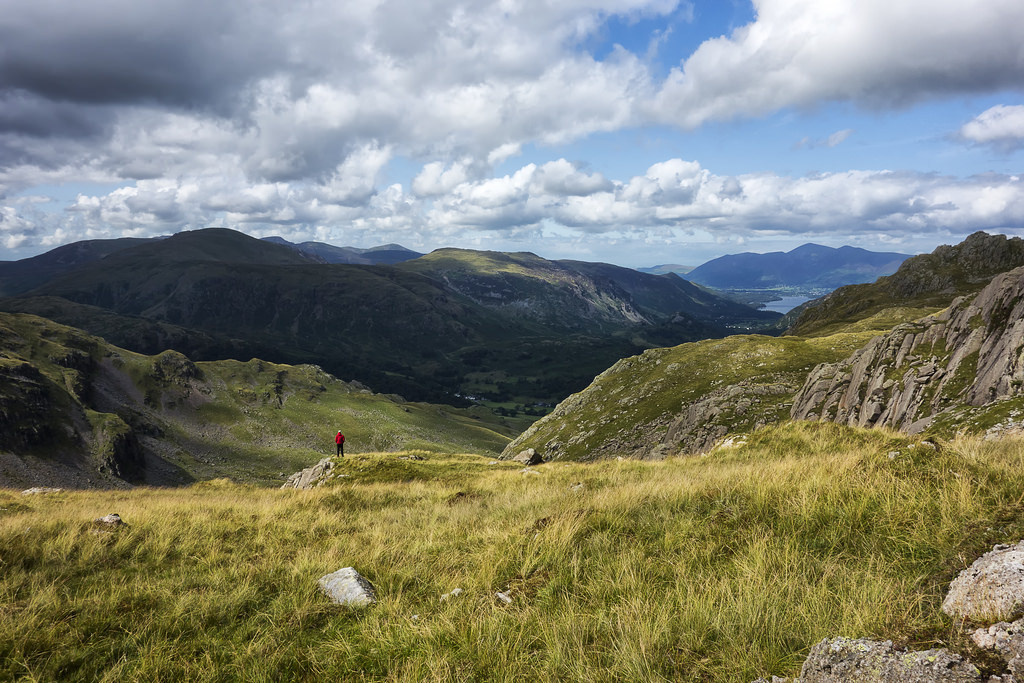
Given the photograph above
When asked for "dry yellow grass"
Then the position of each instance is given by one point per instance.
(724, 567)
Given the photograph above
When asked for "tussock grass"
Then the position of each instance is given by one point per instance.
(723, 567)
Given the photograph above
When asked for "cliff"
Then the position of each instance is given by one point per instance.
(969, 354)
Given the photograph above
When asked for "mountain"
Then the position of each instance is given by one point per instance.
(961, 367)
(21, 276)
(387, 254)
(683, 399)
(666, 268)
(576, 294)
(806, 268)
(77, 411)
(476, 323)
(921, 285)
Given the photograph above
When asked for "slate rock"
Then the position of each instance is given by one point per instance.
(528, 457)
(347, 587)
(842, 659)
(991, 589)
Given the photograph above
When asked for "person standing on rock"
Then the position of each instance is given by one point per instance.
(339, 440)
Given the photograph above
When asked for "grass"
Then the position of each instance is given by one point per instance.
(723, 567)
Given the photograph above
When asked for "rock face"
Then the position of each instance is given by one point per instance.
(842, 660)
(311, 476)
(347, 587)
(991, 589)
(971, 353)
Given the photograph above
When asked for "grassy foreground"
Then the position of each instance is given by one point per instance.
(723, 567)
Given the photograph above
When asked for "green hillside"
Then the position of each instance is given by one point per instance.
(580, 295)
(77, 411)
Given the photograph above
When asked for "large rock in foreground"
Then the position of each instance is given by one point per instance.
(843, 660)
(991, 589)
(348, 587)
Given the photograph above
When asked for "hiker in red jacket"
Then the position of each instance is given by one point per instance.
(340, 441)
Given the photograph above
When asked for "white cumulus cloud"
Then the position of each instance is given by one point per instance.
(1001, 125)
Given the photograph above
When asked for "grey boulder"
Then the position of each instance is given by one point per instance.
(348, 587)
(528, 457)
(991, 589)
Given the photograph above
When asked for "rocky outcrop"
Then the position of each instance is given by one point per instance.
(842, 659)
(991, 589)
(310, 477)
(971, 353)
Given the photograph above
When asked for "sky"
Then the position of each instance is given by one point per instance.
(636, 132)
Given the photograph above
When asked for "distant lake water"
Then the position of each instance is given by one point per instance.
(786, 303)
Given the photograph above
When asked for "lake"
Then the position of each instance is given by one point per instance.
(786, 303)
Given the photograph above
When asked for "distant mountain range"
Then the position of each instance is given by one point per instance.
(505, 326)
(387, 254)
(666, 268)
(809, 268)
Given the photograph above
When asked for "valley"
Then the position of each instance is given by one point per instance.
(704, 510)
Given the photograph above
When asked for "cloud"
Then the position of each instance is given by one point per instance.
(876, 53)
(557, 200)
(287, 92)
(281, 116)
(1001, 126)
(833, 140)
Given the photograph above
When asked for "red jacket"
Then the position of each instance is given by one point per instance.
(340, 438)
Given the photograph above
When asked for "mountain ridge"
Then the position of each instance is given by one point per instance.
(807, 267)
(419, 329)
